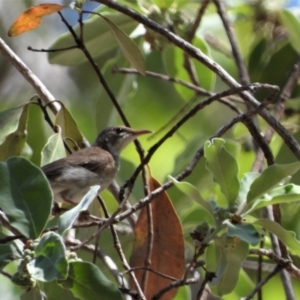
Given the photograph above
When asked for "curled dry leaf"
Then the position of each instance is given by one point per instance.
(167, 256)
(31, 18)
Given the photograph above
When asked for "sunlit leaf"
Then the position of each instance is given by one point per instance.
(292, 24)
(53, 150)
(284, 194)
(97, 39)
(287, 237)
(14, 132)
(50, 262)
(269, 178)
(224, 169)
(25, 196)
(246, 182)
(31, 18)
(194, 194)
(67, 219)
(69, 128)
(168, 242)
(86, 281)
(173, 59)
(129, 48)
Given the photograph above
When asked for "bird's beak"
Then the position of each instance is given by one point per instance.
(137, 133)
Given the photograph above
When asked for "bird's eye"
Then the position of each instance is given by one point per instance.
(119, 130)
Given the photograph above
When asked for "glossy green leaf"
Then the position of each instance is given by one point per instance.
(283, 194)
(193, 193)
(25, 196)
(69, 129)
(50, 262)
(224, 169)
(86, 282)
(246, 232)
(129, 48)
(97, 39)
(53, 150)
(67, 220)
(292, 24)
(233, 256)
(13, 124)
(287, 237)
(269, 178)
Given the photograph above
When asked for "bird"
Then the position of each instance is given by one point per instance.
(71, 177)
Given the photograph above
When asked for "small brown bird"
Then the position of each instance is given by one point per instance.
(71, 177)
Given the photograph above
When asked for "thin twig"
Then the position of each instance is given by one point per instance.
(190, 114)
(188, 170)
(242, 69)
(290, 141)
(120, 252)
(276, 270)
(291, 268)
(173, 285)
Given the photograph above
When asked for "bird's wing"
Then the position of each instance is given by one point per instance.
(93, 159)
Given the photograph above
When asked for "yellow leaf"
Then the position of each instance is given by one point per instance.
(31, 18)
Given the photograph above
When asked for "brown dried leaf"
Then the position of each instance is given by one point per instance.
(167, 255)
(32, 18)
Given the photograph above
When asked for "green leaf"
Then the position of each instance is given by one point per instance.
(69, 129)
(25, 196)
(231, 261)
(193, 193)
(283, 194)
(129, 48)
(8, 252)
(87, 282)
(246, 182)
(9, 121)
(13, 124)
(53, 150)
(269, 178)
(50, 262)
(66, 220)
(164, 4)
(245, 232)
(292, 24)
(224, 169)
(173, 59)
(287, 237)
(97, 38)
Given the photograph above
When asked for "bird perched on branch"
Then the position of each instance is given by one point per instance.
(71, 177)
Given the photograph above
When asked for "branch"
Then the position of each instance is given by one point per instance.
(194, 52)
(33, 80)
(290, 267)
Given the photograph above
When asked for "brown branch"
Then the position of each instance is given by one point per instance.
(173, 285)
(243, 72)
(188, 170)
(291, 268)
(33, 80)
(290, 141)
(276, 270)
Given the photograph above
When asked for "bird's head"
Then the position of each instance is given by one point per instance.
(115, 139)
